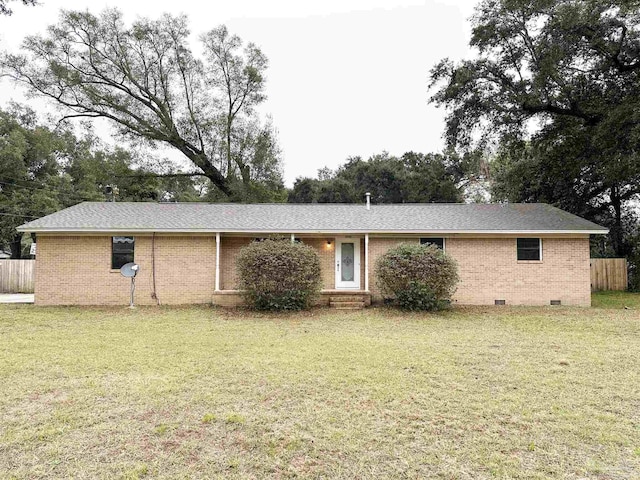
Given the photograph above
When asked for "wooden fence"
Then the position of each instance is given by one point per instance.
(608, 274)
(17, 276)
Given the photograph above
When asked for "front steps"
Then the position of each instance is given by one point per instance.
(349, 302)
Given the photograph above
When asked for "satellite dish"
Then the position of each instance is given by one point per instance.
(129, 270)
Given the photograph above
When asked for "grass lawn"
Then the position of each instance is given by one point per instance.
(616, 300)
(471, 393)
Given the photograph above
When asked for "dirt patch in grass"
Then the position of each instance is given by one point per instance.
(473, 393)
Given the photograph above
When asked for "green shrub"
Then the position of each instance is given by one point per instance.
(417, 296)
(277, 274)
(417, 277)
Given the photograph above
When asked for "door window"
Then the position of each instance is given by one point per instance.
(348, 262)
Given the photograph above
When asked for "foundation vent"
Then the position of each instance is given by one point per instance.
(500, 302)
(556, 302)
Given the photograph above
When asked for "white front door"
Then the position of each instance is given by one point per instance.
(347, 263)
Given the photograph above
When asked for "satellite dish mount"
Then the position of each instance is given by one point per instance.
(130, 270)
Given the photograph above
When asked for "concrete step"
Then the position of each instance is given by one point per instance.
(342, 304)
(346, 298)
(348, 308)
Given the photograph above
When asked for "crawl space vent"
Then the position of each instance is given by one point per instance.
(501, 302)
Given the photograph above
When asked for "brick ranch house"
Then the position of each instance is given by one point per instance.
(519, 254)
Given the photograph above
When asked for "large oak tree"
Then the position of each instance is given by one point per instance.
(146, 80)
(556, 85)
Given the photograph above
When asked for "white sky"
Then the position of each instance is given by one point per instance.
(346, 77)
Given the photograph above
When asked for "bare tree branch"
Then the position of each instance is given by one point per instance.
(145, 79)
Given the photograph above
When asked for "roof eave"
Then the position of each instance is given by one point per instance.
(36, 230)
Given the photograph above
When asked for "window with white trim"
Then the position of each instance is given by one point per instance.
(529, 249)
(437, 241)
(122, 249)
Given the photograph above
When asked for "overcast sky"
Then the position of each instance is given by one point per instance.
(346, 77)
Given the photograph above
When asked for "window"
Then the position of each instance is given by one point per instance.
(529, 248)
(438, 242)
(121, 251)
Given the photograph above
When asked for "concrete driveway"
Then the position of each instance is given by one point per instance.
(16, 297)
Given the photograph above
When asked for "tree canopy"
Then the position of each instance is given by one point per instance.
(146, 80)
(43, 169)
(556, 87)
(412, 178)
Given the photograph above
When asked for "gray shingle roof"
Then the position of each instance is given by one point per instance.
(301, 218)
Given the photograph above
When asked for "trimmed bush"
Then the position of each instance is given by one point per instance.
(277, 274)
(417, 277)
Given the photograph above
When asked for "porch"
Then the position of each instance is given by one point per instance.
(340, 299)
(344, 265)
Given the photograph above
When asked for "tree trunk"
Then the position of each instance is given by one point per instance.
(245, 171)
(616, 232)
(16, 246)
(201, 161)
(229, 165)
(216, 177)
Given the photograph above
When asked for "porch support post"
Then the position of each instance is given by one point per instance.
(218, 262)
(293, 238)
(366, 262)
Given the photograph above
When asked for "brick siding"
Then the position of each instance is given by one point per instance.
(76, 270)
(229, 250)
(327, 262)
(489, 271)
